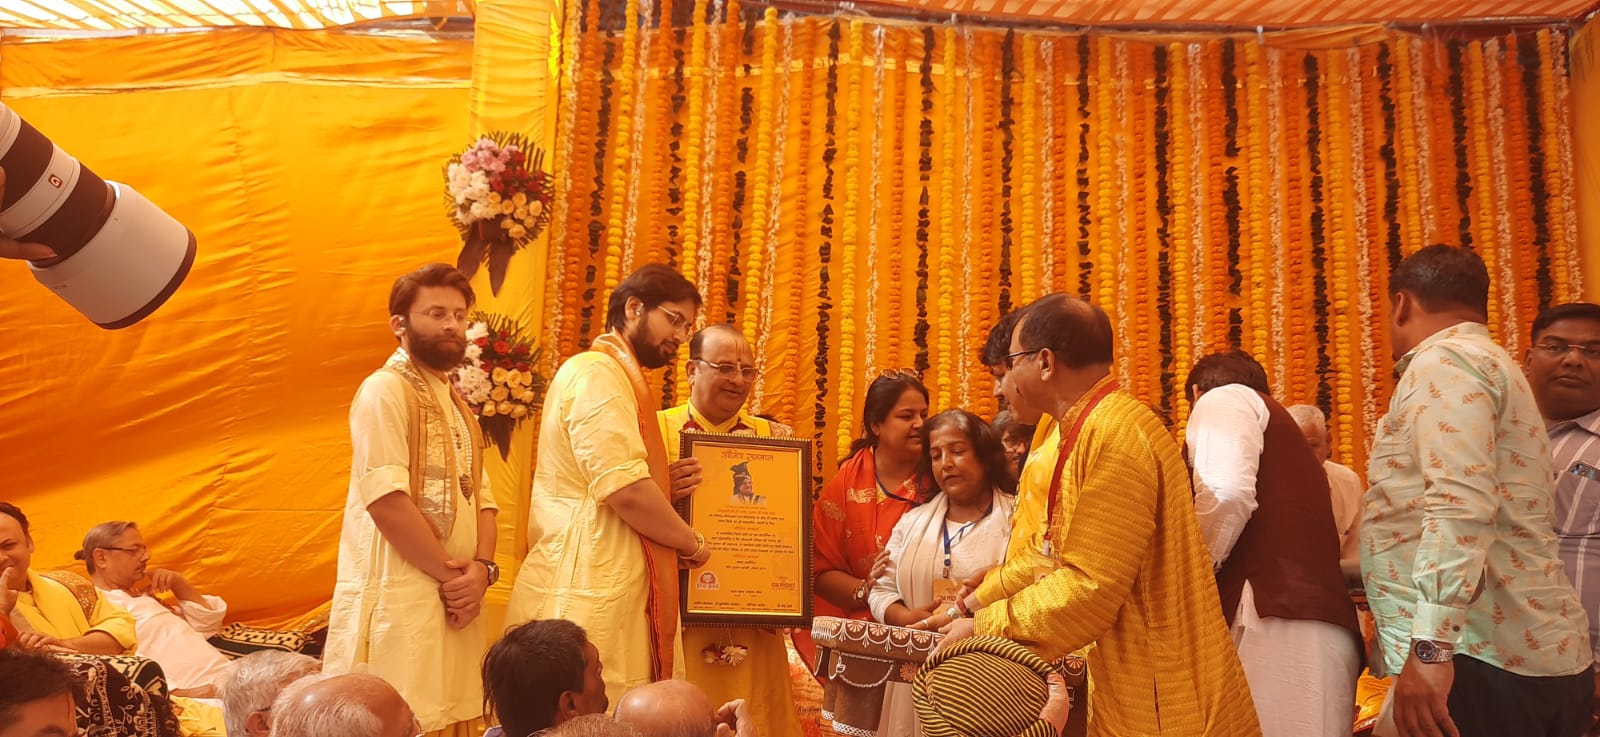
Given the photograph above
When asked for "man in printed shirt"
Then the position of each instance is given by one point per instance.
(1562, 368)
(1474, 613)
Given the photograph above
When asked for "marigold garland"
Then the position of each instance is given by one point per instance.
(946, 290)
(1570, 266)
(1214, 160)
(849, 180)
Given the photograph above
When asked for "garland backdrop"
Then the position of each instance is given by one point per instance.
(860, 194)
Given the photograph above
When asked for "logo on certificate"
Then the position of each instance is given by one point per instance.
(707, 581)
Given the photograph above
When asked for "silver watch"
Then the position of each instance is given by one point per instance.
(1429, 651)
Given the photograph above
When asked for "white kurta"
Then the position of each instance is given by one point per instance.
(387, 617)
(916, 560)
(178, 643)
(1346, 489)
(1302, 673)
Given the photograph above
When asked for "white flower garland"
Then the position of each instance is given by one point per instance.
(1509, 313)
(1280, 339)
(871, 338)
(1197, 198)
(636, 168)
(1124, 364)
(1370, 380)
(1047, 200)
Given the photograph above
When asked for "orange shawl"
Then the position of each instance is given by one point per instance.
(662, 563)
(850, 523)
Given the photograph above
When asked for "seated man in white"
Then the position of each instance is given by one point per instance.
(173, 632)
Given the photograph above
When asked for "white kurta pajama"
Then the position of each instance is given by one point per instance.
(916, 561)
(387, 618)
(1302, 672)
(178, 643)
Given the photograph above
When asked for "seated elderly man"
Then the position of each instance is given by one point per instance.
(592, 725)
(171, 633)
(349, 705)
(66, 615)
(680, 709)
(1343, 483)
(254, 683)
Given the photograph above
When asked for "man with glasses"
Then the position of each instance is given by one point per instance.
(417, 548)
(1563, 367)
(722, 373)
(171, 617)
(604, 544)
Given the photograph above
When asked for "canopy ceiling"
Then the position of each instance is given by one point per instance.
(126, 15)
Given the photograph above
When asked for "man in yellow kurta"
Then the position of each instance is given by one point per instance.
(417, 547)
(722, 371)
(56, 614)
(1119, 561)
(604, 543)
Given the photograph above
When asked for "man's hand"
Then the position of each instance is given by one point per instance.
(734, 718)
(16, 249)
(1421, 694)
(466, 588)
(40, 641)
(684, 475)
(697, 560)
(957, 631)
(972, 583)
(460, 617)
(164, 581)
(8, 598)
(1059, 706)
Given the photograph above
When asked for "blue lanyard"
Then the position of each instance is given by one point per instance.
(961, 532)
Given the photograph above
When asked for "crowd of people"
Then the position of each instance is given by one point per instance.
(1202, 578)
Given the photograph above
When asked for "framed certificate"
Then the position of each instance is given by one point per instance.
(754, 508)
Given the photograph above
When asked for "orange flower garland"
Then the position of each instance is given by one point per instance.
(622, 149)
(945, 291)
(1340, 223)
(1259, 319)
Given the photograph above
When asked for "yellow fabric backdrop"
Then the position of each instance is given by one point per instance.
(308, 164)
(861, 195)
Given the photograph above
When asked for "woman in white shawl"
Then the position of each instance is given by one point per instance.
(958, 533)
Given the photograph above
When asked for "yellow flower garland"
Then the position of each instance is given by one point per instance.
(848, 180)
(945, 291)
(1259, 318)
(761, 210)
(1026, 249)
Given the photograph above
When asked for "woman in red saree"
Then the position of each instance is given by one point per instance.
(852, 518)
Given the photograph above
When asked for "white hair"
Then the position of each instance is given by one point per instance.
(333, 715)
(256, 679)
(1309, 417)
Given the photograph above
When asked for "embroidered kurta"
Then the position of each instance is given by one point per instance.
(1130, 573)
(177, 640)
(1456, 532)
(763, 678)
(917, 557)
(53, 609)
(585, 563)
(387, 618)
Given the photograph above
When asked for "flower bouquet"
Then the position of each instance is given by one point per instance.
(497, 378)
(499, 198)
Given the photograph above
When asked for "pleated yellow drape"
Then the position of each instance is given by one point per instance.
(515, 60)
(308, 166)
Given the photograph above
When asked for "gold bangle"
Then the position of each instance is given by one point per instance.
(699, 545)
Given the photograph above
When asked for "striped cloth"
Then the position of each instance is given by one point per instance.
(982, 686)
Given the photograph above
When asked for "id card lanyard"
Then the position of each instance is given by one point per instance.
(1068, 442)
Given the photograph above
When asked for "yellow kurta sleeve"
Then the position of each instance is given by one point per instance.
(602, 422)
(113, 620)
(1033, 490)
(380, 446)
(1102, 535)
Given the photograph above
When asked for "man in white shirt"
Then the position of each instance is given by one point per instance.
(171, 617)
(1267, 522)
(1344, 484)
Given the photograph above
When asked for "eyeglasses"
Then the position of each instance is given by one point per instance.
(137, 550)
(1560, 350)
(1011, 358)
(440, 314)
(900, 373)
(677, 321)
(730, 370)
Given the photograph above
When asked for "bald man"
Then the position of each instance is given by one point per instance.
(680, 709)
(722, 372)
(350, 705)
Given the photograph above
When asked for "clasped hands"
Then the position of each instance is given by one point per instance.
(463, 595)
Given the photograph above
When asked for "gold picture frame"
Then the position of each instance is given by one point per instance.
(754, 507)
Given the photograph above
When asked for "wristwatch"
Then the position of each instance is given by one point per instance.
(494, 570)
(1429, 651)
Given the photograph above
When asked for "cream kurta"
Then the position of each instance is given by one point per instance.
(585, 564)
(387, 618)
